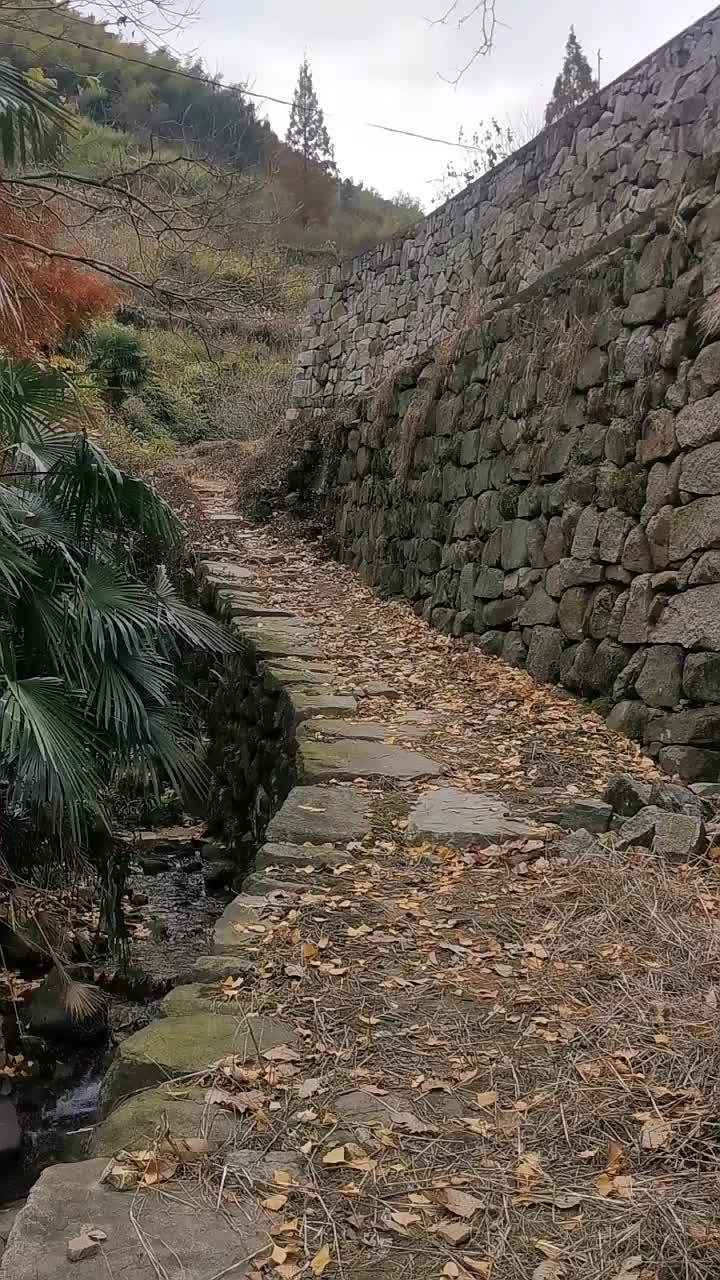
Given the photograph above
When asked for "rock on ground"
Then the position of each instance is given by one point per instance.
(178, 1229)
(320, 815)
(463, 818)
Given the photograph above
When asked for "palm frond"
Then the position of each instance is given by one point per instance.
(48, 748)
(118, 701)
(192, 626)
(32, 398)
(175, 750)
(82, 1000)
(114, 613)
(31, 120)
(17, 570)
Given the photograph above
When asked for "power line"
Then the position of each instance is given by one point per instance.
(235, 89)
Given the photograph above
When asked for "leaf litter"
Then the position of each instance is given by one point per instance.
(564, 1015)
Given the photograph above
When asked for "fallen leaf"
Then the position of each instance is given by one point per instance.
(548, 1270)
(96, 1234)
(461, 1203)
(478, 1268)
(282, 1178)
(404, 1219)
(281, 1053)
(274, 1203)
(604, 1185)
(336, 1156)
(252, 1100)
(655, 1133)
(278, 1254)
(529, 1169)
(413, 1124)
(321, 1261)
(308, 1088)
(548, 1250)
(454, 1232)
(159, 1169)
(486, 1099)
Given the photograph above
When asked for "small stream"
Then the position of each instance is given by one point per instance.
(57, 1108)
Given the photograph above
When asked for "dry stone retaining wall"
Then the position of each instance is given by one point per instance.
(554, 491)
(607, 164)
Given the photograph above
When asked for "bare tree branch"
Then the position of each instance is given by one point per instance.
(482, 13)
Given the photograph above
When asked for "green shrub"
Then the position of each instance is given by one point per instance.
(117, 358)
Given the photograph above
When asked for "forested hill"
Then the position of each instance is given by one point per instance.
(122, 82)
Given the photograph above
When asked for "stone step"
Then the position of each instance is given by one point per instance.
(348, 759)
(321, 815)
(184, 1045)
(461, 819)
(147, 1234)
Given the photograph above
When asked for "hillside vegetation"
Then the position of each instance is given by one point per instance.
(239, 250)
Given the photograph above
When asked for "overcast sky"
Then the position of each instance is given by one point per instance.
(383, 61)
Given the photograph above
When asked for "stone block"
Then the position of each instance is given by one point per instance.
(576, 573)
(640, 353)
(586, 534)
(706, 570)
(593, 370)
(489, 583)
(584, 814)
(347, 759)
(639, 831)
(461, 819)
(701, 677)
(704, 376)
(320, 815)
(636, 556)
(613, 529)
(695, 527)
(699, 422)
(543, 660)
(645, 308)
(571, 612)
(691, 763)
(700, 470)
(540, 609)
(691, 619)
(659, 684)
(680, 837)
(635, 626)
(658, 437)
(514, 550)
(626, 794)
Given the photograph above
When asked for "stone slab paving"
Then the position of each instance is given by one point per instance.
(462, 819)
(347, 759)
(417, 985)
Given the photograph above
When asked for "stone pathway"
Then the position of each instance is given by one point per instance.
(435, 1036)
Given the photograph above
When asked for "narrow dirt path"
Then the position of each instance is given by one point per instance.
(436, 1037)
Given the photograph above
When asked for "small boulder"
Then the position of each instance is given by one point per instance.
(585, 814)
(626, 794)
(680, 836)
(676, 799)
(581, 846)
(640, 829)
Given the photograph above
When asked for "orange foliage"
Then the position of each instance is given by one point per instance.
(312, 187)
(43, 300)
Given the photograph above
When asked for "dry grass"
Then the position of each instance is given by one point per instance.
(539, 1037)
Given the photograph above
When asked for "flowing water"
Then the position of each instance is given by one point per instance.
(57, 1109)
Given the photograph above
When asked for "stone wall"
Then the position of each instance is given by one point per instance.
(553, 491)
(595, 173)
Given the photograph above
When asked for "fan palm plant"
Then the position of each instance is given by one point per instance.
(87, 648)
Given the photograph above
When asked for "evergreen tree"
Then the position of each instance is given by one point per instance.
(575, 83)
(307, 133)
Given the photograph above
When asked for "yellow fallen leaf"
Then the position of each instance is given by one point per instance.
(482, 1269)
(321, 1261)
(460, 1203)
(548, 1250)
(486, 1099)
(289, 1228)
(282, 1178)
(278, 1254)
(604, 1185)
(275, 1203)
(336, 1156)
